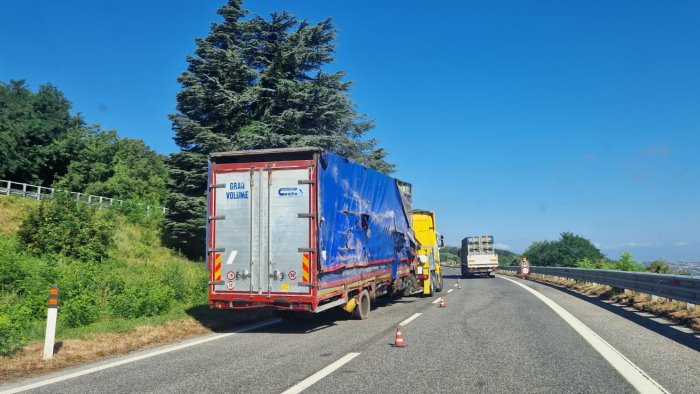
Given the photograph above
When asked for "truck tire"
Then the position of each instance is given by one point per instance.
(361, 311)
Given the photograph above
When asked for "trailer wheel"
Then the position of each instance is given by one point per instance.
(361, 311)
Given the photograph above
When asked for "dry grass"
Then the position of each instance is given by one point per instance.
(95, 346)
(12, 210)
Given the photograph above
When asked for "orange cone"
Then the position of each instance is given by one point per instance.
(442, 302)
(399, 338)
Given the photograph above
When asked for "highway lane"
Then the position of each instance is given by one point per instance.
(493, 337)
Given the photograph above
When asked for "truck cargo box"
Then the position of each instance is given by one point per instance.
(303, 228)
(478, 256)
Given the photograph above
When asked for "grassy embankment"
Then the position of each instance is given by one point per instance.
(675, 311)
(138, 295)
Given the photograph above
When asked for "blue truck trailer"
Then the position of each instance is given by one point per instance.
(304, 229)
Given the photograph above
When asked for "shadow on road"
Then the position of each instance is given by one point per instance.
(222, 320)
(685, 339)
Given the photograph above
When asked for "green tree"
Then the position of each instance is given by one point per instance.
(106, 165)
(627, 263)
(257, 83)
(660, 267)
(565, 252)
(33, 127)
(506, 257)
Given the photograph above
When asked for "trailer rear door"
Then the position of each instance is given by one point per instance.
(261, 227)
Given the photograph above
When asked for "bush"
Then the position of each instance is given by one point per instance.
(10, 338)
(80, 310)
(142, 299)
(137, 212)
(626, 263)
(64, 227)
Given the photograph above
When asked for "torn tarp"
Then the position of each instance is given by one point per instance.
(363, 222)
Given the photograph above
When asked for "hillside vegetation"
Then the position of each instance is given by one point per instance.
(108, 264)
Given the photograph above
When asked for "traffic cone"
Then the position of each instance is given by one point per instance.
(442, 302)
(399, 338)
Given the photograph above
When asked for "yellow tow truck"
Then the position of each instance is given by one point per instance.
(428, 270)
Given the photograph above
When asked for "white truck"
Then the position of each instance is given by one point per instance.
(478, 256)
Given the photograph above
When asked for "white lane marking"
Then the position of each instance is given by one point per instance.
(450, 290)
(437, 300)
(410, 319)
(456, 284)
(140, 357)
(634, 375)
(306, 383)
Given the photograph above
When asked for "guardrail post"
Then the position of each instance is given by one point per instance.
(8, 188)
(38, 193)
(24, 190)
(51, 323)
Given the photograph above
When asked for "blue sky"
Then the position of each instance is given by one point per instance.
(520, 119)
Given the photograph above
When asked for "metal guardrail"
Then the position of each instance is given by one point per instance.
(25, 190)
(675, 287)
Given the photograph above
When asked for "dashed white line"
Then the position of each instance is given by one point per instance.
(450, 290)
(632, 373)
(410, 319)
(139, 357)
(306, 383)
(436, 300)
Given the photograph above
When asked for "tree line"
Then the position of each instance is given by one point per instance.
(44, 144)
(572, 250)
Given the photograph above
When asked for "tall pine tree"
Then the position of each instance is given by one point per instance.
(257, 83)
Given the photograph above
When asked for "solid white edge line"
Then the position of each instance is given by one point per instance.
(306, 383)
(139, 357)
(639, 379)
(410, 319)
(450, 290)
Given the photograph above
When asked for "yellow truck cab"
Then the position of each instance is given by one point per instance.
(430, 241)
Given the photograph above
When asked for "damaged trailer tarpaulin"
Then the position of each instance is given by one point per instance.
(364, 226)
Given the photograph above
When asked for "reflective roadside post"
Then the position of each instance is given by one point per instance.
(51, 323)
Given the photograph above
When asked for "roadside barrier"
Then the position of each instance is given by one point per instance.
(35, 192)
(673, 287)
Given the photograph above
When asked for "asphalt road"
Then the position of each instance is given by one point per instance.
(493, 336)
